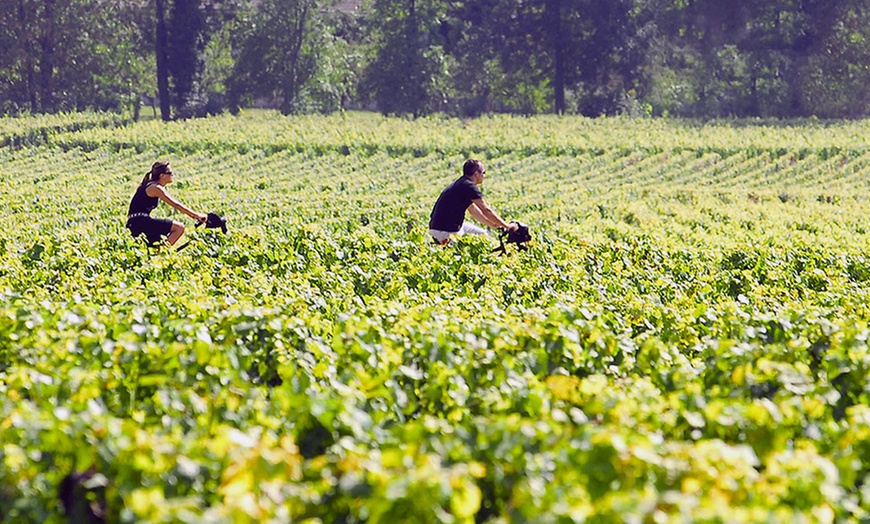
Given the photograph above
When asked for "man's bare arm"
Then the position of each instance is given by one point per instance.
(484, 214)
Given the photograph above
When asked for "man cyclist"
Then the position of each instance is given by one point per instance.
(448, 215)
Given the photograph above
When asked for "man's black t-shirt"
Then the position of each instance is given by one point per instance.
(449, 211)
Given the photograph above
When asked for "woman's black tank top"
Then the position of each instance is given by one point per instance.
(141, 202)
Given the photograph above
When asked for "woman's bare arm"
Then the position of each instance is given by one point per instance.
(160, 192)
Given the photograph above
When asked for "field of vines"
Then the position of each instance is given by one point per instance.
(686, 339)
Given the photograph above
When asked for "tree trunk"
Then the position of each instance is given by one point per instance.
(287, 100)
(28, 73)
(46, 61)
(291, 67)
(162, 63)
(555, 8)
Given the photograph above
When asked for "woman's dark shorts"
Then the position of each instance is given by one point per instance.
(154, 229)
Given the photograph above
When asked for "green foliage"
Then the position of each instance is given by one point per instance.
(676, 344)
(409, 62)
(74, 55)
(754, 59)
(286, 51)
(186, 43)
(704, 59)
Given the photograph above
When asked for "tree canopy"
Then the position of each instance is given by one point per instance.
(687, 58)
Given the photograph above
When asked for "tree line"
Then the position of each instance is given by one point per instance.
(683, 58)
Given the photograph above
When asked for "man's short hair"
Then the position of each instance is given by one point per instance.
(471, 167)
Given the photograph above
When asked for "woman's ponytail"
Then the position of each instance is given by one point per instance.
(157, 169)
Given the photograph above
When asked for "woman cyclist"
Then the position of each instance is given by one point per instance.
(149, 193)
